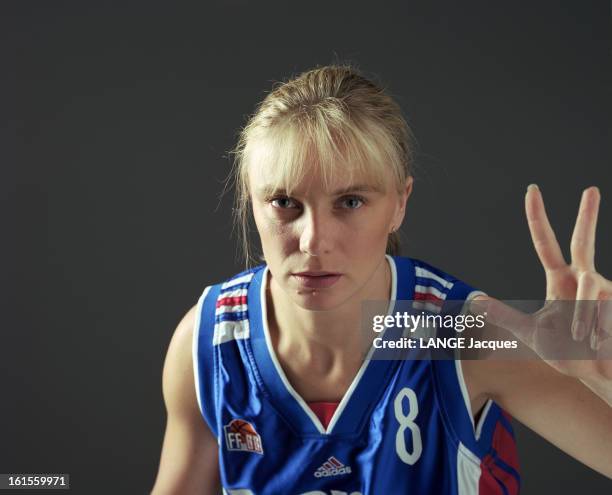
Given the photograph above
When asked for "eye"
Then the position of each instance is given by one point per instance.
(283, 203)
(352, 202)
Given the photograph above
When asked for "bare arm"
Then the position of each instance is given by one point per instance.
(189, 459)
(557, 407)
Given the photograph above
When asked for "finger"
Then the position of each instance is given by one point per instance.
(604, 322)
(582, 245)
(542, 234)
(504, 316)
(586, 305)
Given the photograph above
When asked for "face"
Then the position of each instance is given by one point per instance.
(323, 245)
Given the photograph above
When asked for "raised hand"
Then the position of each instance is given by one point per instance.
(578, 312)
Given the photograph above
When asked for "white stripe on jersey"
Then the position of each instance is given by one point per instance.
(422, 272)
(238, 292)
(430, 290)
(226, 331)
(468, 471)
(230, 330)
(483, 418)
(240, 280)
(231, 309)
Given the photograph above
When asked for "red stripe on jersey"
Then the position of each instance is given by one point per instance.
(491, 473)
(426, 296)
(231, 301)
(488, 484)
(505, 446)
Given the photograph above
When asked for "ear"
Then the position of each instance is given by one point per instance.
(401, 207)
(407, 190)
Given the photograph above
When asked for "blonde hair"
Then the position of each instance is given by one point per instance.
(330, 116)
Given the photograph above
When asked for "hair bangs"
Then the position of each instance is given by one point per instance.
(287, 154)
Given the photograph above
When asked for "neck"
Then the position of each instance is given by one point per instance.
(328, 334)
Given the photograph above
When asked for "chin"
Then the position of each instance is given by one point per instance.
(321, 300)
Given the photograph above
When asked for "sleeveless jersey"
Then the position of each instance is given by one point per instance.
(403, 426)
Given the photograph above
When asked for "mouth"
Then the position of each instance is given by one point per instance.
(316, 280)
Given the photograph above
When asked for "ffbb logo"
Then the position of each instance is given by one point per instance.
(240, 435)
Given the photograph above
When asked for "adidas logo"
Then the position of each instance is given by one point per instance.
(332, 467)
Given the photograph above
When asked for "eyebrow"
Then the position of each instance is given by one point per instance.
(269, 190)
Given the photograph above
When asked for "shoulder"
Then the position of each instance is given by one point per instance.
(178, 380)
(180, 343)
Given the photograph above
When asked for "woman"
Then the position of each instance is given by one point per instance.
(272, 358)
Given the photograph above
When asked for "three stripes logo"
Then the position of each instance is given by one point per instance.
(331, 467)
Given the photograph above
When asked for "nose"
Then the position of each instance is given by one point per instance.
(317, 233)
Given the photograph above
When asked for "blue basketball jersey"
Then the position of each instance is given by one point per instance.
(403, 426)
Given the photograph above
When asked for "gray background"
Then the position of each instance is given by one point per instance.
(119, 119)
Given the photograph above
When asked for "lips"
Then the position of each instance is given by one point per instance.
(316, 279)
(316, 273)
